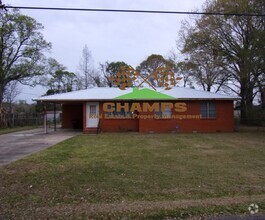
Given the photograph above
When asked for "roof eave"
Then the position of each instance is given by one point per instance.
(178, 99)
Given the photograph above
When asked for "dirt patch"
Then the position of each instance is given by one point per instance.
(168, 205)
(87, 209)
(251, 128)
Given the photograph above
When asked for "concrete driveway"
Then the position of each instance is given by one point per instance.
(14, 146)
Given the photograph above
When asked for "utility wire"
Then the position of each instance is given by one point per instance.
(131, 11)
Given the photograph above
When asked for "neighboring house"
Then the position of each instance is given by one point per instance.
(145, 110)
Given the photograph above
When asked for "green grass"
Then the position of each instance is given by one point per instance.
(110, 170)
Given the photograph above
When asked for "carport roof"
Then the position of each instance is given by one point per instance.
(106, 93)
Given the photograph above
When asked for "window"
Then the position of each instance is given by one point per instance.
(208, 110)
(167, 113)
(92, 110)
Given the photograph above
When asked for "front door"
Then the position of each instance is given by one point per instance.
(92, 113)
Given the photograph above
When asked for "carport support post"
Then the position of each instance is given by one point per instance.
(54, 115)
(45, 119)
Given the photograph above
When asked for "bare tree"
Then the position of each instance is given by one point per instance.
(86, 68)
(97, 79)
(11, 92)
(182, 69)
(103, 68)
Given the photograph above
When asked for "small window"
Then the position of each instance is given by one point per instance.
(208, 110)
(93, 109)
(167, 113)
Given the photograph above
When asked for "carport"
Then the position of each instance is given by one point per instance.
(72, 114)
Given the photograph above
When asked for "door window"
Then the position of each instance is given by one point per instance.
(92, 110)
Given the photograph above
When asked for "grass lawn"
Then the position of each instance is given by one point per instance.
(138, 176)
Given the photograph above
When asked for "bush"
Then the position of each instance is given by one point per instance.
(256, 117)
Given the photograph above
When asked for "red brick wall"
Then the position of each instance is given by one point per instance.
(224, 121)
(111, 125)
(119, 125)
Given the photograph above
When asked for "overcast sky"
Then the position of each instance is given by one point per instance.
(127, 37)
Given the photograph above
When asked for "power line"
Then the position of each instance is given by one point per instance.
(131, 11)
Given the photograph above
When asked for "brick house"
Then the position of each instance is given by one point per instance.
(145, 110)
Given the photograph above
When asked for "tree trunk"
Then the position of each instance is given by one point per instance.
(1, 105)
(243, 112)
(246, 102)
(2, 90)
(262, 96)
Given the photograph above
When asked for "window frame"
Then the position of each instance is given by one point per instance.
(210, 110)
(92, 110)
(167, 114)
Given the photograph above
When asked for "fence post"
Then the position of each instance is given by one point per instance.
(54, 116)
(45, 119)
(13, 119)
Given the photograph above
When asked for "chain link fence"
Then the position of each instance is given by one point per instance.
(20, 120)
